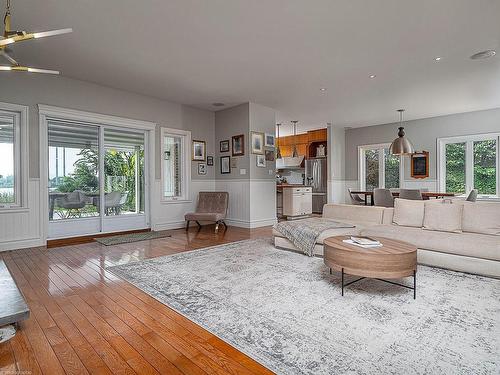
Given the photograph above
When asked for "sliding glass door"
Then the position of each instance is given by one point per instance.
(96, 179)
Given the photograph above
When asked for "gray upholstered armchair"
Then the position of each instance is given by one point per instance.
(212, 206)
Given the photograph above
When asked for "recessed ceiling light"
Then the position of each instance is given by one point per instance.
(322, 89)
(218, 104)
(484, 54)
(372, 76)
(437, 58)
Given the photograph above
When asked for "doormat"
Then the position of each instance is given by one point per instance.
(132, 237)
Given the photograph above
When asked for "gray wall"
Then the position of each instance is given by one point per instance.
(33, 89)
(229, 122)
(423, 133)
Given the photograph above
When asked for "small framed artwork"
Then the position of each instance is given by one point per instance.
(199, 148)
(225, 164)
(257, 143)
(224, 146)
(269, 155)
(269, 140)
(166, 155)
(420, 164)
(261, 161)
(234, 163)
(238, 145)
(202, 168)
(210, 160)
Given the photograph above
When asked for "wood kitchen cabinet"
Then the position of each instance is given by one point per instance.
(306, 143)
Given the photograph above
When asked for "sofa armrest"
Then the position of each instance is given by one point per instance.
(388, 216)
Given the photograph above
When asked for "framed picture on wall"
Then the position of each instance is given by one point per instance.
(420, 164)
(269, 155)
(238, 145)
(202, 168)
(225, 164)
(257, 143)
(199, 150)
(261, 161)
(224, 146)
(210, 160)
(269, 140)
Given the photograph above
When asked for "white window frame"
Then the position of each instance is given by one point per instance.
(20, 156)
(186, 167)
(469, 160)
(381, 166)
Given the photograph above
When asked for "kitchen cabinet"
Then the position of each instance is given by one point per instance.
(297, 201)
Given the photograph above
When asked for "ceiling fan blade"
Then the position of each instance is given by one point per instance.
(9, 58)
(44, 34)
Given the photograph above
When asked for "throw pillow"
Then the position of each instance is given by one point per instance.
(443, 216)
(408, 213)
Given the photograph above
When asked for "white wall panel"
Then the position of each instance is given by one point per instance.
(21, 228)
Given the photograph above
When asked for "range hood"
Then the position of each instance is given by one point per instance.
(289, 162)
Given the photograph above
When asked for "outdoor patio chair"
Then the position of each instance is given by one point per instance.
(71, 205)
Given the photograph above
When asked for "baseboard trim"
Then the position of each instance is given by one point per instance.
(21, 244)
(251, 224)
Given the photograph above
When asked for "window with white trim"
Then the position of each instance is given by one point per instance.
(12, 130)
(379, 168)
(470, 162)
(176, 165)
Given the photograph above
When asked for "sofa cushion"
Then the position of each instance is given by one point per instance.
(466, 244)
(343, 212)
(481, 217)
(408, 213)
(443, 216)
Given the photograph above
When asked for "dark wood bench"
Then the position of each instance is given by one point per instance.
(13, 306)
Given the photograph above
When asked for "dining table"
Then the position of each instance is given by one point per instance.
(425, 195)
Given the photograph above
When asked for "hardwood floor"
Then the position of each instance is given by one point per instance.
(85, 320)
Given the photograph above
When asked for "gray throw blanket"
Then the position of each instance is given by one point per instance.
(304, 233)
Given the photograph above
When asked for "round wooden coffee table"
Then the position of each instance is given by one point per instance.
(394, 260)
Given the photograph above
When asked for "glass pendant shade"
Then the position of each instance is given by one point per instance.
(401, 145)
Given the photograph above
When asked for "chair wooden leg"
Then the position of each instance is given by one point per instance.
(217, 226)
(199, 225)
(187, 225)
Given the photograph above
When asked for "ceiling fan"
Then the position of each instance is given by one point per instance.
(11, 37)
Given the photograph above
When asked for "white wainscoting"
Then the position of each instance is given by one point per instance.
(21, 228)
(252, 203)
(171, 215)
(427, 183)
(262, 203)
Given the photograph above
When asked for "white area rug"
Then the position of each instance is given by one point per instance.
(284, 310)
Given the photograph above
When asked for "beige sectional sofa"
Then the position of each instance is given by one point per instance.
(461, 236)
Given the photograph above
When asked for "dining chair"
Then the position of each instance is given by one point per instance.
(472, 197)
(412, 194)
(383, 197)
(355, 198)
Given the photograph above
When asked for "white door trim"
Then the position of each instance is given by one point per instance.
(46, 111)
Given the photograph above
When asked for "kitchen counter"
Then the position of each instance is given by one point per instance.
(280, 187)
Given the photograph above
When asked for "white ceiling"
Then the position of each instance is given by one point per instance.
(279, 53)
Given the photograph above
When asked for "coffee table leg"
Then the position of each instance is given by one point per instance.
(342, 282)
(330, 271)
(414, 284)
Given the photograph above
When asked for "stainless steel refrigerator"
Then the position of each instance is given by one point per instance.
(316, 176)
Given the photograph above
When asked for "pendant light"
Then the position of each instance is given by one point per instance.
(278, 151)
(295, 153)
(401, 145)
(11, 37)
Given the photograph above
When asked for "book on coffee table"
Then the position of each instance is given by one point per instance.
(365, 242)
